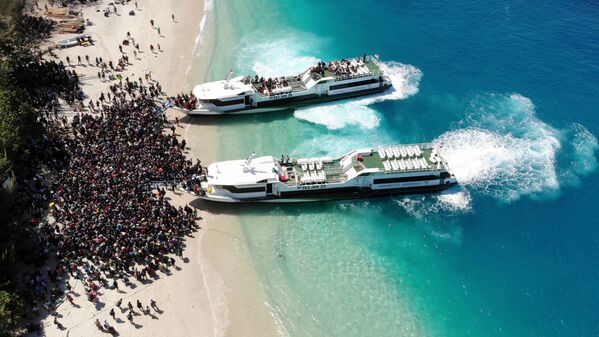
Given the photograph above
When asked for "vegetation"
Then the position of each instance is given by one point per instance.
(29, 88)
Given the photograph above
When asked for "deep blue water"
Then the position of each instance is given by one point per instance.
(510, 89)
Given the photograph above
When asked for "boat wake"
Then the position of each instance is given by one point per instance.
(358, 112)
(504, 151)
(292, 53)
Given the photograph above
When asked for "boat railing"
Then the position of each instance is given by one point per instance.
(351, 76)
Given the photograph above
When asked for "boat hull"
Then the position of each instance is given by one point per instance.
(357, 193)
(290, 105)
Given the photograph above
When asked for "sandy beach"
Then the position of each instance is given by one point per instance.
(215, 290)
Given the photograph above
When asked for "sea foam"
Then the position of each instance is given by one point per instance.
(201, 37)
(505, 151)
(277, 56)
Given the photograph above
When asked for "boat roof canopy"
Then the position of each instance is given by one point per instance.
(222, 89)
(233, 172)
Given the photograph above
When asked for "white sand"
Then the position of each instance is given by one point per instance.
(216, 292)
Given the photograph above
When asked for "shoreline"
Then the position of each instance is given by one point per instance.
(215, 291)
(222, 242)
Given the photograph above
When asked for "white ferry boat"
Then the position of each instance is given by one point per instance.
(321, 83)
(402, 169)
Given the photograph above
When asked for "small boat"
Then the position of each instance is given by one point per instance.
(84, 40)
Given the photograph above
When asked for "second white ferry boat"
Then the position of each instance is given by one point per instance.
(324, 82)
(402, 169)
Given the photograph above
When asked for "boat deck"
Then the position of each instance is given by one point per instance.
(294, 85)
(409, 158)
(387, 160)
(315, 170)
(371, 67)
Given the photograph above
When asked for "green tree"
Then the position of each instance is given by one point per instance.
(18, 128)
(11, 309)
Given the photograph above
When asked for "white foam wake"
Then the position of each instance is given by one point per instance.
(505, 151)
(358, 112)
(274, 56)
(291, 52)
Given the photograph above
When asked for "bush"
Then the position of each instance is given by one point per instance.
(11, 309)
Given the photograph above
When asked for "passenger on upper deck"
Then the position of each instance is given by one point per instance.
(340, 68)
(269, 85)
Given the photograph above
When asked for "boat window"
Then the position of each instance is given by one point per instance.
(354, 84)
(218, 102)
(235, 189)
(404, 179)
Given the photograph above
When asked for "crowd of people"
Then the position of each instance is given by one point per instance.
(52, 78)
(112, 220)
(341, 68)
(270, 85)
(185, 101)
(108, 212)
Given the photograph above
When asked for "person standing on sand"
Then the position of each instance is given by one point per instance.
(57, 323)
(158, 28)
(152, 23)
(119, 302)
(113, 314)
(130, 317)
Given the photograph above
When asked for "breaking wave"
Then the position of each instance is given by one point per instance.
(200, 39)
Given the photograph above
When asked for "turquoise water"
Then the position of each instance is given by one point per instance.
(509, 89)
